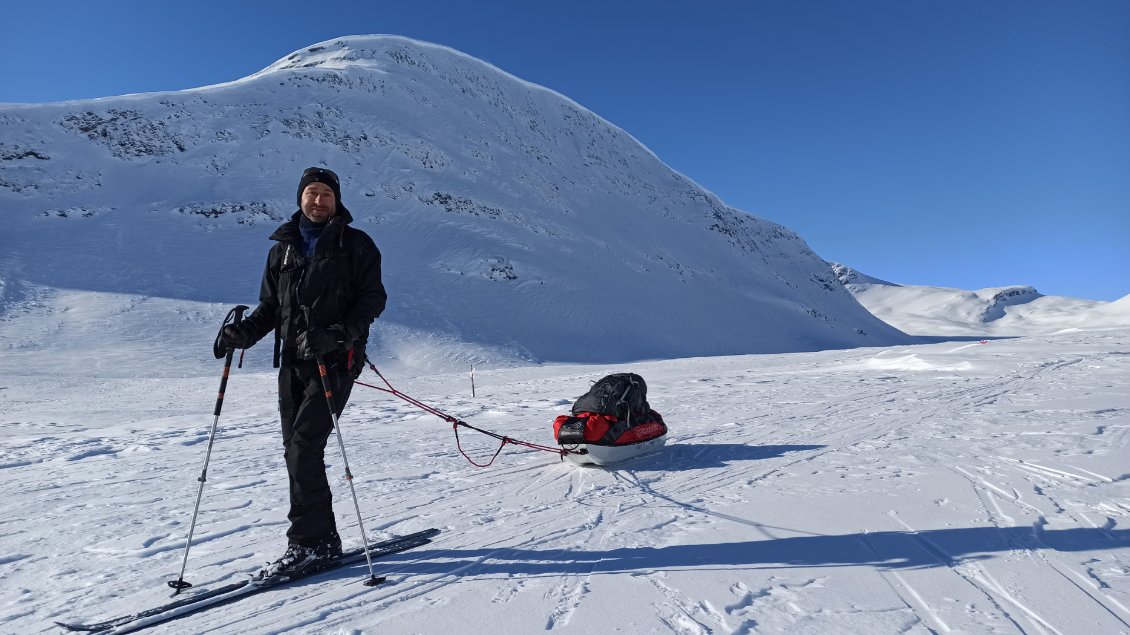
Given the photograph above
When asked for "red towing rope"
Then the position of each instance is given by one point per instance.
(456, 423)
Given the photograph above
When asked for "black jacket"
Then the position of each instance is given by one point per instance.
(341, 284)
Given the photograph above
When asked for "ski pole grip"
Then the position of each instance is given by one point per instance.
(235, 316)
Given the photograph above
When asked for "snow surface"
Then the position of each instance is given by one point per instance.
(949, 487)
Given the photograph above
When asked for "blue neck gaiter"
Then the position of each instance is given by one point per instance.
(310, 232)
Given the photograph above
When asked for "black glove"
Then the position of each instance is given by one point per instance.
(319, 342)
(234, 337)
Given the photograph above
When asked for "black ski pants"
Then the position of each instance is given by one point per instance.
(306, 426)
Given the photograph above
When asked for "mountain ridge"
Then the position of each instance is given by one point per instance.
(510, 217)
(1008, 311)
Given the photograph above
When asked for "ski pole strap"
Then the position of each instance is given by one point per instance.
(457, 423)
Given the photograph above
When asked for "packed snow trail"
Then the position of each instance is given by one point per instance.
(935, 488)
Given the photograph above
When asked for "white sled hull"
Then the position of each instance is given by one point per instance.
(610, 454)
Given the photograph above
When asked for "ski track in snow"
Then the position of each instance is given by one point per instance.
(982, 489)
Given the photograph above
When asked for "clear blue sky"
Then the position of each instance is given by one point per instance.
(961, 143)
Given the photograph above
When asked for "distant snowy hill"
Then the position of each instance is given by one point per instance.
(515, 224)
(1000, 311)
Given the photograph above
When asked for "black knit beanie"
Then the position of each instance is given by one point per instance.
(320, 175)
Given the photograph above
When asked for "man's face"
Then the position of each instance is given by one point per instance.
(318, 202)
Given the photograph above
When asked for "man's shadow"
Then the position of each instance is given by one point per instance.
(884, 550)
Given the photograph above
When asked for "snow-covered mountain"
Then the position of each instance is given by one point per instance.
(515, 224)
(998, 311)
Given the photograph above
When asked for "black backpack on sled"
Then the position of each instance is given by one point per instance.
(618, 395)
(613, 412)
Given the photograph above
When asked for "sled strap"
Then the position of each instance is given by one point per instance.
(504, 441)
(455, 428)
(415, 402)
(457, 423)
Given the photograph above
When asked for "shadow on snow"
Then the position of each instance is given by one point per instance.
(885, 550)
(697, 456)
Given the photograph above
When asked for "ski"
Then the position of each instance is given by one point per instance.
(228, 593)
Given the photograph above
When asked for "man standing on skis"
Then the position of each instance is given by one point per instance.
(320, 292)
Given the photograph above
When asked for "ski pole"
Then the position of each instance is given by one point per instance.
(373, 579)
(235, 316)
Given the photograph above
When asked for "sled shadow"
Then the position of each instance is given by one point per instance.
(885, 550)
(697, 456)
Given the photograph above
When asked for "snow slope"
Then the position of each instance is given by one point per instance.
(1001, 311)
(513, 221)
(925, 489)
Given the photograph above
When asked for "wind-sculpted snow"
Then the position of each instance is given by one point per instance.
(595, 249)
(940, 488)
